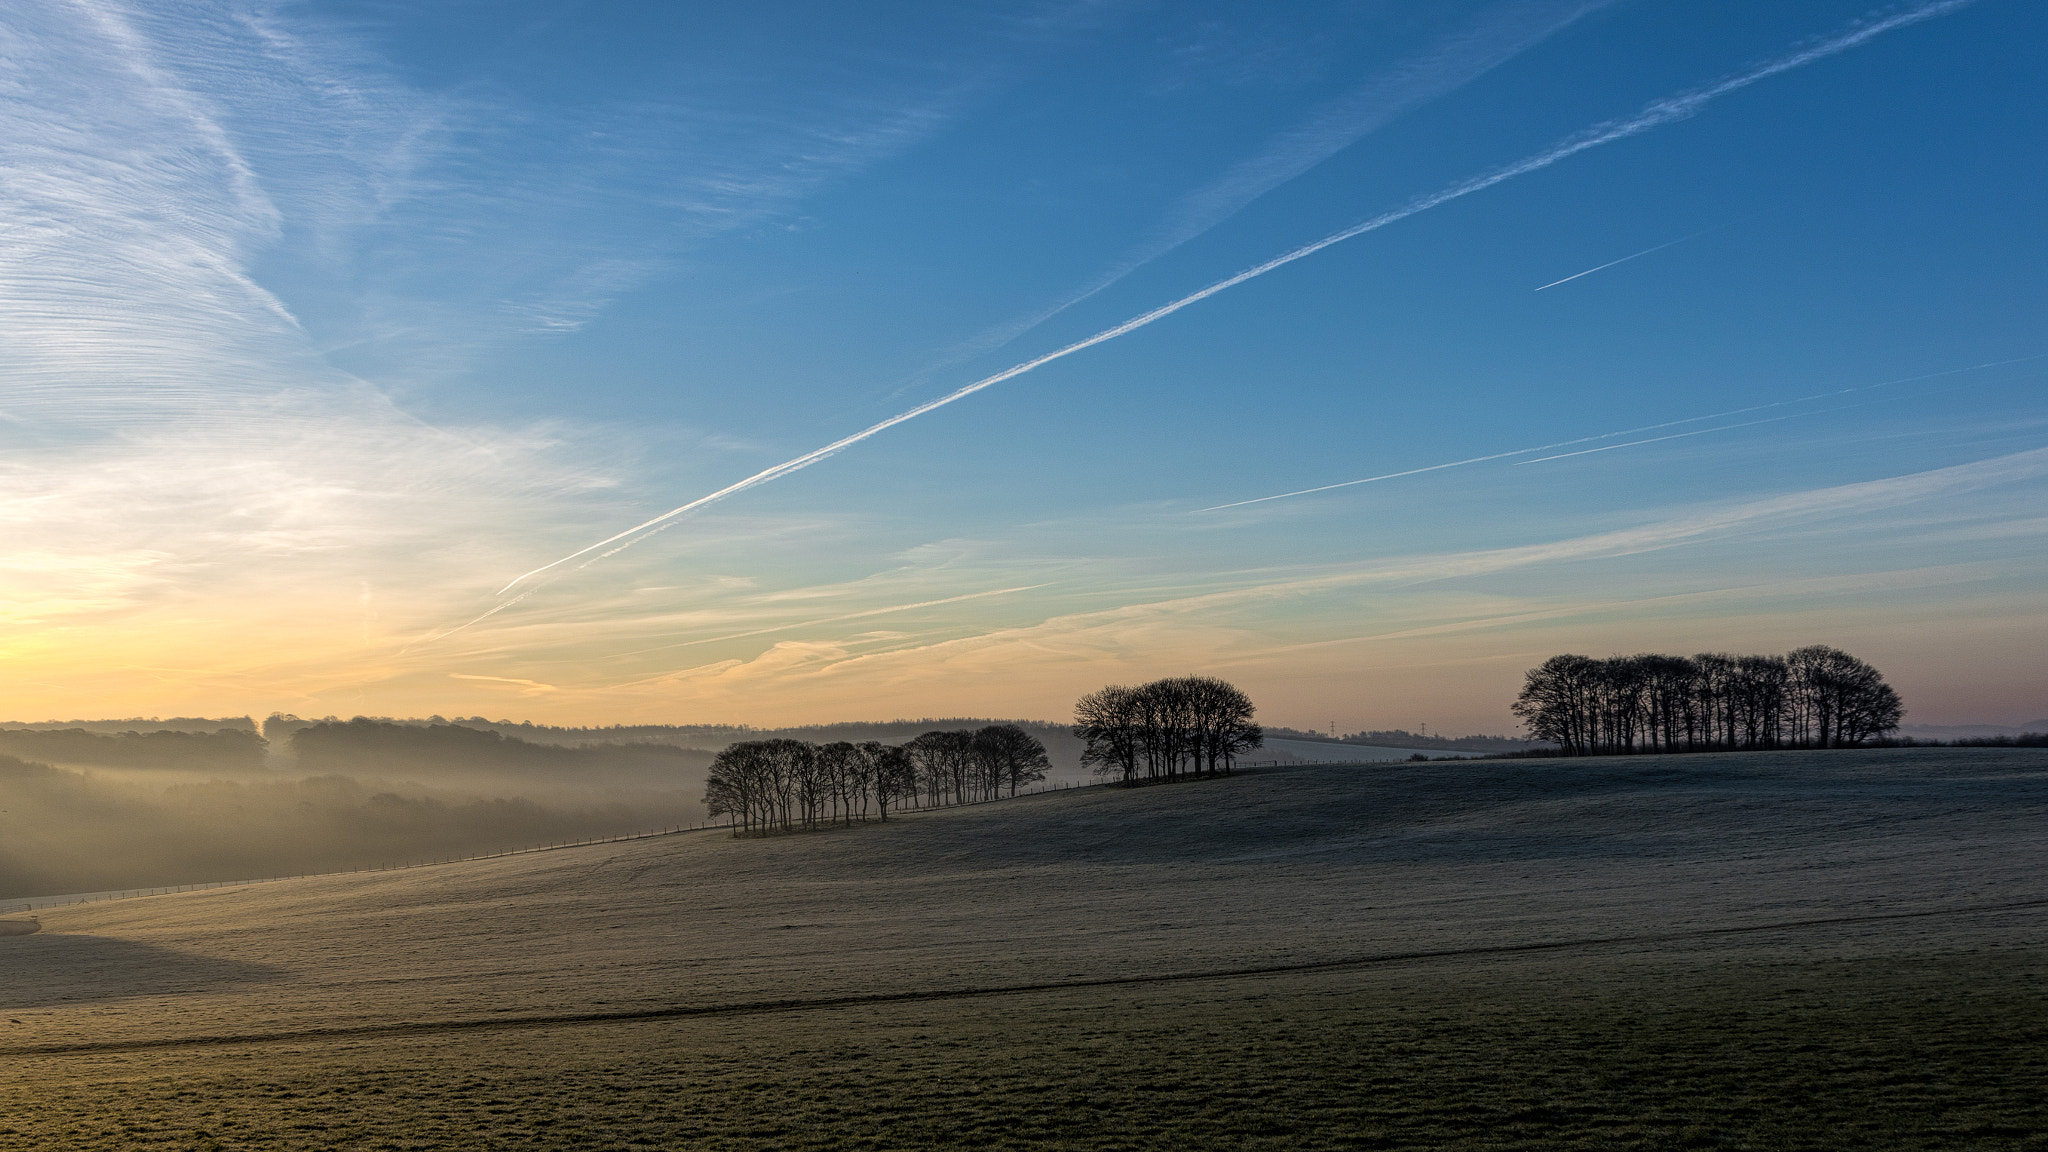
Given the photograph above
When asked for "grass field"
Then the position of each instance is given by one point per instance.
(1818, 950)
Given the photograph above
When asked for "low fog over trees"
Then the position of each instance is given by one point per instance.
(1815, 697)
(225, 750)
(365, 745)
(789, 785)
(1185, 726)
(84, 809)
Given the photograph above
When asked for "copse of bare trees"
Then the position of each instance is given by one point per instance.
(1007, 756)
(766, 786)
(1815, 697)
(1185, 726)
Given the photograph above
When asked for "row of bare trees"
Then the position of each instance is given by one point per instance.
(1185, 726)
(1814, 697)
(960, 767)
(767, 786)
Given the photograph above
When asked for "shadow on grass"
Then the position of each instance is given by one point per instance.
(49, 970)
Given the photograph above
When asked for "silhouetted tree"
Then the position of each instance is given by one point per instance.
(1108, 721)
(1557, 702)
(1183, 725)
(1008, 756)
(1223, 721)
(1757, 702)
(943, 761)
(1838, 701)
(1816, 697)
(894, 775)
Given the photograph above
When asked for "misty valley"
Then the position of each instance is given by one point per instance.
(1023, 576)
(83, 811)
(93, 806)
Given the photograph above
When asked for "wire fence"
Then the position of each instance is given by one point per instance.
(1331, 763)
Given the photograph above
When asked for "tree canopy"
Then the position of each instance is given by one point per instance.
(1184, 726)
(1813, 697)
(792, 785)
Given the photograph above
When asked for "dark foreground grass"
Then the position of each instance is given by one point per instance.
(1729, 1050)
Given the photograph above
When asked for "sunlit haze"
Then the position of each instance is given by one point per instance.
(354, 355)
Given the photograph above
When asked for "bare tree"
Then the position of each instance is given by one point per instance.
(1223, 722)
(1557, 702)
(767, 786)
(1182, 725)
(1108, 720)
(1836, 699)
(1713, 699)
(1008, 756)
(944, 762)
(1757, 702)
(842, 776)
(1815, 697)
(895, 776)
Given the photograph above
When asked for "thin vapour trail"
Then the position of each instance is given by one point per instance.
(1673, 436)
(1628, 432)
(1398, 475)
(486, 615)
(1625, 259)
(1655, 115)
(1500, 35)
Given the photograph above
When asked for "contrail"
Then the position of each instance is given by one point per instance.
(1499, 35)
(1631, 432)
(1673, 436)
(1624, 259)
(1398, 475)
(1654, 115)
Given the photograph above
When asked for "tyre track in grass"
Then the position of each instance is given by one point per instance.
(764, 1007)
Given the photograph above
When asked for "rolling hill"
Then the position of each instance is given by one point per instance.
(1096, 968)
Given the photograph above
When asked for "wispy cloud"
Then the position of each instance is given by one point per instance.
(123, 281)
(524, 687)
(1492, 38)
(188, 466)
(864, 614)
(1750, 592)
(1218, 627)
(1594, 439)
(153, 155)
(1655, 115)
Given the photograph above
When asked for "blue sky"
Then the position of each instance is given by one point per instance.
(328, 320)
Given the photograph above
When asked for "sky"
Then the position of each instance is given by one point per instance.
(794, 362)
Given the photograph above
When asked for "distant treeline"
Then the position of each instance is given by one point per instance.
(1402, 738)
(227, 750)
(137, 724)
(1185, 726)
(708, 738)
(363, 744)
(785, 785)
(1814, 697)
(279, 727)
(2017, 740)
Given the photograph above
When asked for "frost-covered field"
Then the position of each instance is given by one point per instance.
(999, 966)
